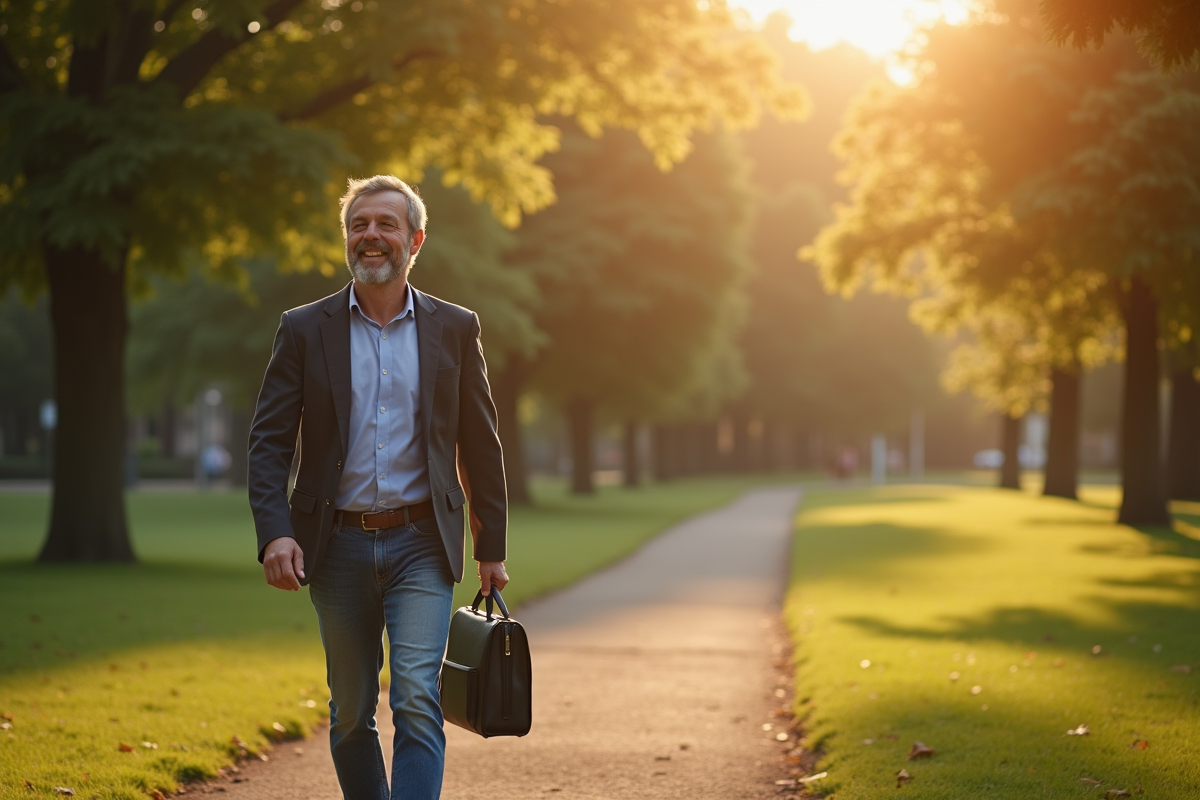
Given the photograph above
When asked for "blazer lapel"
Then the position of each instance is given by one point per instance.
(429, 343)
(335, 337)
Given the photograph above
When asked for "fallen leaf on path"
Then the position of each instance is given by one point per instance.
(278, 727)
(125, 748)
(5, 726)
(1081, 730)
(902, 777)
(1090, 781)
(920, 750)
(767, 726)
(237, 742)
(816, 777)
(786, 782)
(976, 689)
(1096, 650)
(781, 737)
(150, 745)
(64, 790)
(1140, 744)
(953, 676)
(157, 795)
(28, 785)
(1113, 794)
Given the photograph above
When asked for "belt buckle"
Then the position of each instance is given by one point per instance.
(365, 526)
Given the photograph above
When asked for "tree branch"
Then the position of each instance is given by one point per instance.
(11, 78)
(339, 94)
(188, 68)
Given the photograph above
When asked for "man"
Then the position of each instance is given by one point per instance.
(384, 391)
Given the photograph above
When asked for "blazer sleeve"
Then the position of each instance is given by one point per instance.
(479, 451)
(273, 437)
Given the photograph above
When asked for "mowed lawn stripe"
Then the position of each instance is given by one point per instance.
(189, 659)
(986, 624)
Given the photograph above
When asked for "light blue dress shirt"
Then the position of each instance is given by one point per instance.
(385, 465)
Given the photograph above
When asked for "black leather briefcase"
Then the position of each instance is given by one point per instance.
(487, 677)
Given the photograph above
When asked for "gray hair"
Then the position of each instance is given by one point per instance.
(355, 189)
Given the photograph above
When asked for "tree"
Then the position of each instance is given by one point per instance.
(25, 364)
(639, 271)
(1169, 29)
(137, 133)
(994, 167)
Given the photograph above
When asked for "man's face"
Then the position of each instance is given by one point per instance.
(379, 246)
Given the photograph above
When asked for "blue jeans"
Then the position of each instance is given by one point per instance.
(398, 578)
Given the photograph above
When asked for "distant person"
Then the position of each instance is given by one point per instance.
(388, 389)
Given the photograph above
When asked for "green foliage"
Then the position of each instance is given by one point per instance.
(221, 129)
(641, 273)
(27, 368)
(950, 200)
(1169, 29)
(904, 599)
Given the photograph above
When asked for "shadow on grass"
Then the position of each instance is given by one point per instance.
(863, 549)
(51, 615)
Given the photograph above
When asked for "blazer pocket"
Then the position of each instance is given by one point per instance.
(448, 372)
(455, 497)
(303, 501)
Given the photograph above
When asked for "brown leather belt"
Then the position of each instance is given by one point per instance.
(391, 518)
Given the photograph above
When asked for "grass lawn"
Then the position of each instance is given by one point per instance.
(189, 657)
(986, 624)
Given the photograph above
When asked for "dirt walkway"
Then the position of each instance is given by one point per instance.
(652, 679)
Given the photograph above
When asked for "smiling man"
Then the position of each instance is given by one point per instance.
(384, 391)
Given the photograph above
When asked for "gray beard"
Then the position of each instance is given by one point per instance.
(367, 276)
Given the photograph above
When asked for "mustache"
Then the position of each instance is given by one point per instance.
(380, 246)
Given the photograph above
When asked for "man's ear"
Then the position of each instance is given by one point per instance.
(418, 240)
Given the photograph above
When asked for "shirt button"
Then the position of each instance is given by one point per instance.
(385, 336)
(385, 372)
(380, 446)
(383, 409)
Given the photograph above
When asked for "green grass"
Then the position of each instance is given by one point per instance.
(190, 648)
(1057, 614)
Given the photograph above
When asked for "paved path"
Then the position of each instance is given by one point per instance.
(652, 679)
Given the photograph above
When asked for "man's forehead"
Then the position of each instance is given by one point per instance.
(386, 201)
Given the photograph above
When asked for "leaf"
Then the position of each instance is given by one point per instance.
(1082, 730)
(29, 785)
(920, 750)
(150, 745)
(1140, 744)
(785, 782)
(5, 726)
(125, 748)
(1113, 794)
(902, 777)
(65, 790)
(7, 716)
(816, 777)
(278, 727)
(1090, 781)
(157, 795)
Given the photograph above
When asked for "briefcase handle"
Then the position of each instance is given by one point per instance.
(499, 600)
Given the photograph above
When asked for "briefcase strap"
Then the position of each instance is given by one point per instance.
(499, 601)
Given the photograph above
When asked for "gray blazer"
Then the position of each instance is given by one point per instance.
(306, 391)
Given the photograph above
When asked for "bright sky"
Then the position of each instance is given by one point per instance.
(880, 27)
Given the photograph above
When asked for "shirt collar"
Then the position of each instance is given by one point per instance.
(408, 303)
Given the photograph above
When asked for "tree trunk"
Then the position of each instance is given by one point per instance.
(579, 420)
(1144, 500)
(1010, 445)
(506, 392)
(1183, 444)
(632, 464)
(1062, 451)
(89, 317)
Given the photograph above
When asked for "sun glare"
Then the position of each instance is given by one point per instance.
(879, 27)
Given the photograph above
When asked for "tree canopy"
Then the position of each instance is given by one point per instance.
(1169, 29)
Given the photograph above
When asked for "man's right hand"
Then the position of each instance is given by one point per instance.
(283, 560)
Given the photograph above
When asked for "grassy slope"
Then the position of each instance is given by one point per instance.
(190, 648)
(1013, 593)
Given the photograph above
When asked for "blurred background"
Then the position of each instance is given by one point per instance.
(859, 239)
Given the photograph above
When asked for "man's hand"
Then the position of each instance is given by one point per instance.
(283, 560)
(491, 573)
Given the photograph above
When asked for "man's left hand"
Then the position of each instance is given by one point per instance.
(491, 573)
